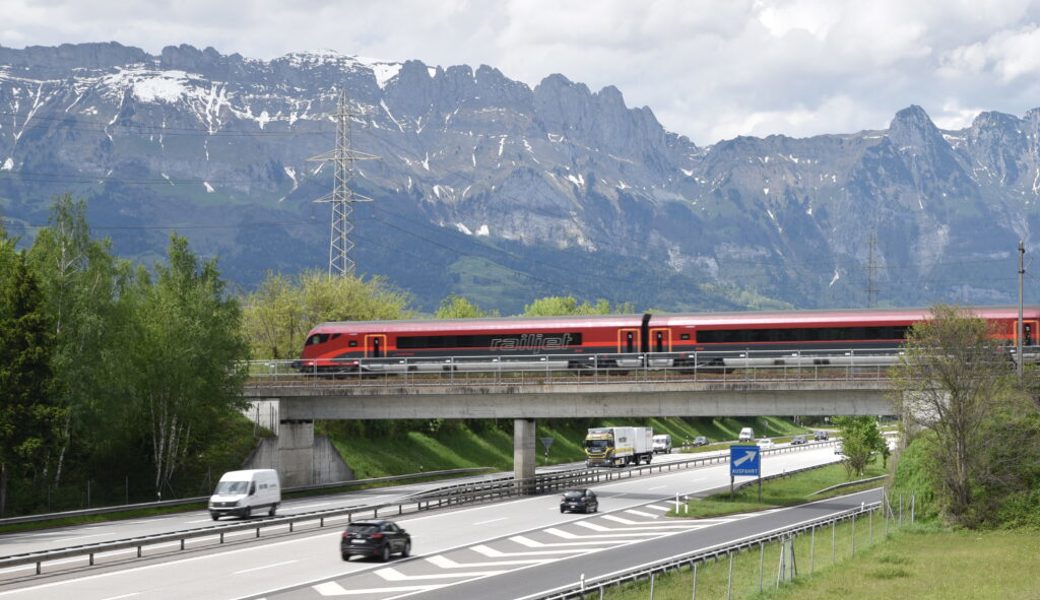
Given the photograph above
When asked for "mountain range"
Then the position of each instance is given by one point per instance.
(488, 188)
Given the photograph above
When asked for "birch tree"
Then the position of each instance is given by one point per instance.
(186, 358)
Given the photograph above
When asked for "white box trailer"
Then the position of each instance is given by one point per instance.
(618, 446)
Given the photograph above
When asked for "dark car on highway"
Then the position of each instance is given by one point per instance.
(700, 440)
(820, 435)
(797, 440)
(579, 500)
(376, 537)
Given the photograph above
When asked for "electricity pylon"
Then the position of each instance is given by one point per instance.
(341, 198)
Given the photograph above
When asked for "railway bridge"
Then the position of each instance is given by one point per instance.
(524, 396)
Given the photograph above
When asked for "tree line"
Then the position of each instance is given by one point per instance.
(128, 376)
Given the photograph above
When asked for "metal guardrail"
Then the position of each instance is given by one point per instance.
(447, 497)
(202, 499)
(581, 589)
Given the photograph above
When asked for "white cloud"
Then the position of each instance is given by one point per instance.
(709, 69)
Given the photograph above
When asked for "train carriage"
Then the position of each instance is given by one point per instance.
(628, 341)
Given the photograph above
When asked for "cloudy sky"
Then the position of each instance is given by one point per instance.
(709, 69)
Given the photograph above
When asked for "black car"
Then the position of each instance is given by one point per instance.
(820, 436)
(377, 537)
(579, 500)
(700, 440)
(797, 440)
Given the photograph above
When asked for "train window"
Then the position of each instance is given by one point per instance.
(801, 334)
(531, 342)
(317, 338)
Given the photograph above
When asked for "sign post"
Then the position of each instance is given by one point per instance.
(547, 441)
(745, 461)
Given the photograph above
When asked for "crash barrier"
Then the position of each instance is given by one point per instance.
(786, 569)
(446, 496)
(203, 499)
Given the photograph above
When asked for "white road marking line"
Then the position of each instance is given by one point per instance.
(657, 487)
(78, 537)
(446, 563)
(491, 521)
(642, 514)
(200, 521)
(526, 541)
(491, 552)
(279, 564)
(392, 574)
(659, 507)
(572, 536)
(131, 594)
(319, 504)
(662, 527)
(331, 588)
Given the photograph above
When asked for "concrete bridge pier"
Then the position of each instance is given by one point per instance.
(296, 452)
(525, 458)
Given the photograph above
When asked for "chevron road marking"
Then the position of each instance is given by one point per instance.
(625, 521)
(392, 574)
(331, 588)
(659, 507)
(526, 541)
(647, 528)
(572, 536)
(492, 553)
(642, 514)
(446, 563)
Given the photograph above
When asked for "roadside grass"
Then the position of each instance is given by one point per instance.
(918, 561)
(821, 550)
(786, 491)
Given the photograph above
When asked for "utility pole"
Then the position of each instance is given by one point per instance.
(341, 198)
(1021, 277)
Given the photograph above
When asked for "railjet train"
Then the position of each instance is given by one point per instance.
(658, 341)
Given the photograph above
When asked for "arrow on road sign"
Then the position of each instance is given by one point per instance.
(749, 455)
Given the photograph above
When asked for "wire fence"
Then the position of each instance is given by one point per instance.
(750, 567)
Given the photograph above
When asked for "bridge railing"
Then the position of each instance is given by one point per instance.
(714, 366)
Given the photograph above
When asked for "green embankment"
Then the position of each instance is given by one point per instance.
(452, 445)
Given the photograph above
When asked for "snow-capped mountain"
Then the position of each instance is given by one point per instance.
(492, 189)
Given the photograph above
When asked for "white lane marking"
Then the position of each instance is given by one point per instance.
(659, 507)
(331, 588)
(526, 541)
(573, 536)
(278, 564)
(78, 537)
(491, 521)
(392, 574)
(642, 514)
(319, 504)
(492, 553)
(446, 563)
(657, 487)
(662, 527)
(201, 521)
(123, 596)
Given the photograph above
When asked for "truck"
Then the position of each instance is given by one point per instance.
(618, 446)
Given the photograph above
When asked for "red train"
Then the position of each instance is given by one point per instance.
(620, 341)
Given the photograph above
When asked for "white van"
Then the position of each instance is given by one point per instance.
(662, 443)
(746, 434)
(244, 492)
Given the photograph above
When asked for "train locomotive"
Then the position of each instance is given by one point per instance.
(615, 342)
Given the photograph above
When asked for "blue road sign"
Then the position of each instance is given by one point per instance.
(745, 460)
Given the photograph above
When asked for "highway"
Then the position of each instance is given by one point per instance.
(507, 549)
